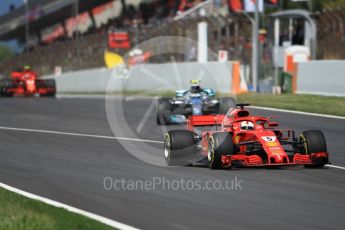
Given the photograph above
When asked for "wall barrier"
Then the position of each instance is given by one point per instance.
(85, 81)
(223, 77)
(321, 77)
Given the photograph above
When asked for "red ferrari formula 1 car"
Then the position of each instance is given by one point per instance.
(25, 83)
(244, 140)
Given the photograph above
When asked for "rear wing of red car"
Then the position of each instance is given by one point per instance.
(205, 120)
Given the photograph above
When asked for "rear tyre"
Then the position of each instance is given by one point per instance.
(163, 111)
(5, 93)
(219, 144)
(225, 104)
(4, 86)
(313, 141)
(179, 147)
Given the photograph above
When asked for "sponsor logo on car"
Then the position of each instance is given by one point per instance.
(269, 138)
(272, 144)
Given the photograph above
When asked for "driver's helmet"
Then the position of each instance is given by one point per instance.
(247, 125)
(27, 68)
(195, 88)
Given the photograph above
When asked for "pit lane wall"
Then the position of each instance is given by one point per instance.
(321, 77)
(152, 77)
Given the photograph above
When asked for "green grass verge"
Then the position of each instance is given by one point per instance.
(299, 102)
(304, 103)
(20, 213)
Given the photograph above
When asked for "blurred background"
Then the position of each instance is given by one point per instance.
(70, 35)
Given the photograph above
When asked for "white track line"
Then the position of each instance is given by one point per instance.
(103, 137)
(78, 134)
(298, 112)
(98, 218)
(335, 166)
(73, 96)
(93, 216)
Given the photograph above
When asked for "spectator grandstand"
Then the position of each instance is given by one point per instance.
(331, 34)
(82, 45)
(75, 37)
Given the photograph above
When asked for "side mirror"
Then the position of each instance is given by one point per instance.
(273, 124)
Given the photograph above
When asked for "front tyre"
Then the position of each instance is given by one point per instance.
(313, 141)
(179, 147)
(219, 144)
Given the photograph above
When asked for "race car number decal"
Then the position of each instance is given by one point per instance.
(272, 144)
(269, 138)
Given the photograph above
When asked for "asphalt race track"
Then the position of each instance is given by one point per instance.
(71, 169)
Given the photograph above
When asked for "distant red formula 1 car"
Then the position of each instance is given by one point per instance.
(25, 83)
(244, 140)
